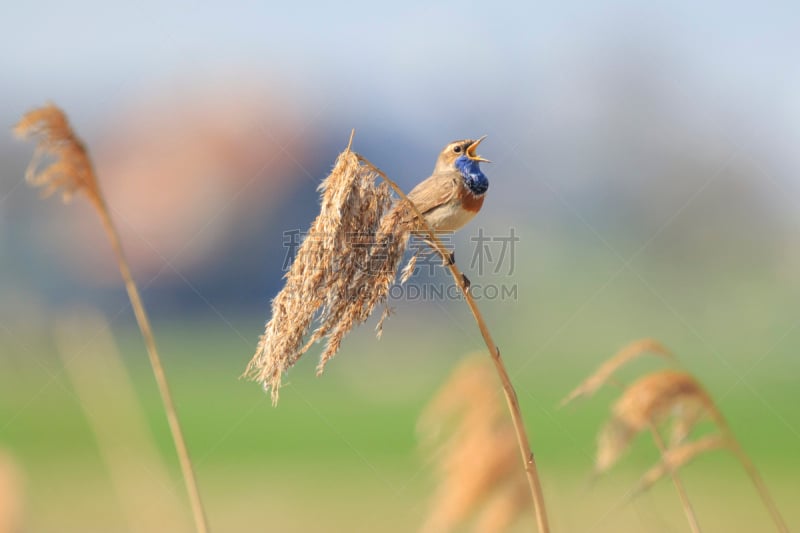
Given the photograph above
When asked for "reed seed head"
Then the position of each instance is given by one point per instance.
(649, 401)
(469, 438)
(61, 161)
(342, 271)
(628, 353)
(657, 397)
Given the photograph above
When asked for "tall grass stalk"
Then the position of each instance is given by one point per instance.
(508, 388)
(344, 269)
(752, 472)
(653, 399)
(143, 321)
(688, 510)
(71, 171)
(101, 382)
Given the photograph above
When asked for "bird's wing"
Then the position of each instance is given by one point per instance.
(438, 189)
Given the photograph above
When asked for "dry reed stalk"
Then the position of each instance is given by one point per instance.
(471, 441)
(138, 475)
(71, 172)
(342, 271)
(645, 404)
(650, 400)
(673, 459)
(663, 393)
(512, 401)
(758, 482)
(340, 282)
(628, 353)
(688, 509)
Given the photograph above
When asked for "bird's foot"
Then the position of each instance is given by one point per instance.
(465, 280)
(448, 259)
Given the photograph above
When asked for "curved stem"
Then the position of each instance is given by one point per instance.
(691, 517)
(508, 388)
(750, 469)
(158, 370)
(761, 487)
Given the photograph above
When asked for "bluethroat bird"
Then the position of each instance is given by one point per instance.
(454, 193)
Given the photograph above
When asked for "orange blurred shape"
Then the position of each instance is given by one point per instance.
(180, 170)
(10, 495)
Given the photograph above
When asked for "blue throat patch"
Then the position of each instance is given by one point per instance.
(475, 179)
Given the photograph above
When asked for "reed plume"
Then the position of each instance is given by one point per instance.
(628, 353)
(663, 396)
(343, 297)
(466, 434)
(512, 402)
(342, 271)
(651, 399)
(70, 170)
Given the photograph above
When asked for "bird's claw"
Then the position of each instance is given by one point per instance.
(448, 259)
(465, 280)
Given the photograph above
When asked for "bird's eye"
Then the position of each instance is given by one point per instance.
(457, 149)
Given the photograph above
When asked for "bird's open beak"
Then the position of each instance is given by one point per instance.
(471, 151)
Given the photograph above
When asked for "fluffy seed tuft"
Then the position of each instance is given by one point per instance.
(342, 271)
(69, 169)
(651, 400)
(465, 434)
(626, 354)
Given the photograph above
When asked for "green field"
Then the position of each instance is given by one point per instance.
(339, 451)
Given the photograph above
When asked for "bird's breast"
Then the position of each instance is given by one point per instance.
(453, 215)
(469, 201)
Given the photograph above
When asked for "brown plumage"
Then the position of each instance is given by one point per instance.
(347, 263)
(445, 199)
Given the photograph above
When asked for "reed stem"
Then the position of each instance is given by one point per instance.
(72, 171)
(759, 484)
(691, 517)
(752, 472)
(143, 321)
(511, 396)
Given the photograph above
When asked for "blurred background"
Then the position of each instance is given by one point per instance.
(644, 156)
